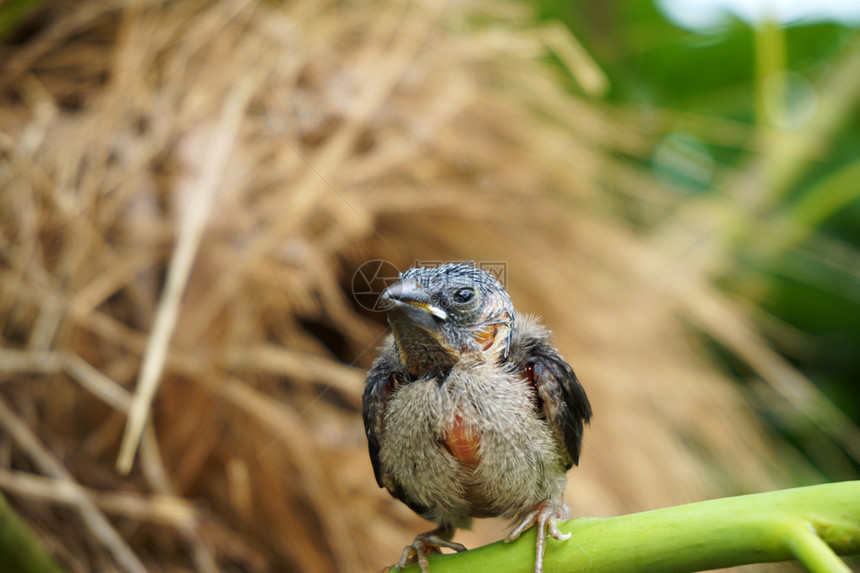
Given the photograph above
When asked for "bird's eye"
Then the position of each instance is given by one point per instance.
(464, 295)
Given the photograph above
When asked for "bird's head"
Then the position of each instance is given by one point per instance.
(439, 315)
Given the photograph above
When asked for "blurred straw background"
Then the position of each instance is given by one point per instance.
(187, 190)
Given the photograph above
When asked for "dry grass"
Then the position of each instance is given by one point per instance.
(186, 190)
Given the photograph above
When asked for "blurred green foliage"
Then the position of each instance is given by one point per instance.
(12, 12)
(807, 278)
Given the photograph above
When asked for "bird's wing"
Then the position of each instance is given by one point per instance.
(560, 398)
(377, 389)
(382, 381)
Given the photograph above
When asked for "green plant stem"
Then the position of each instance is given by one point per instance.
(811, 524)
(770, 66)
(789, 156)
(813, 552)
(799, 220)
(832, 193)
(20, 549)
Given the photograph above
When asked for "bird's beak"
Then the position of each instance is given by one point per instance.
(406, 300)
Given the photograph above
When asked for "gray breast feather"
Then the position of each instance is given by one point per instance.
(492, 398)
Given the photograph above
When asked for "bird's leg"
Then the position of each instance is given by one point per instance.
(546, 516)
(428, 542)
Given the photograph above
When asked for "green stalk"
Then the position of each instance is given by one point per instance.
(828, 196)
(769, 70)
(811, 524)
(798, 220)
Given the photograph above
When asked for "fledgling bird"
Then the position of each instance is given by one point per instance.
(469, 411)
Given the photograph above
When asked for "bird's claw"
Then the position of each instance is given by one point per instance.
(546, 516)
(425, 543)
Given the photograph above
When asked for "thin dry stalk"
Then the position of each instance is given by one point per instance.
(157, 475)
(171, 511)
(199, 197)
(92, 516)
(288, 431)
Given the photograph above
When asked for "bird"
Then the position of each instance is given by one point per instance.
(470, 411)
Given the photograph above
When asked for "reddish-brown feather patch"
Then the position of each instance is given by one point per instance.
(529, 375)
(487, 336)
(462, 442)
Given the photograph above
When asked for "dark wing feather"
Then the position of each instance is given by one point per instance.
(377, 389)
(382, 379)
(560, 397)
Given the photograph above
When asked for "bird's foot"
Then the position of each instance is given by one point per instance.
(546, 516)
(429, 542)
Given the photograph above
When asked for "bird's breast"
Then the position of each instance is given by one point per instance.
(469, 445)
